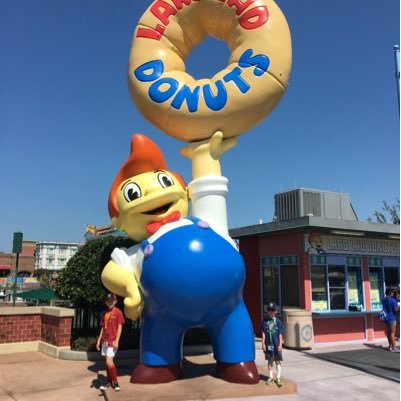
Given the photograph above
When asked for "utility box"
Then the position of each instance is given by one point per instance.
(310, 202)
(298, 328)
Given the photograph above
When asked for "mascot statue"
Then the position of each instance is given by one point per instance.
(185, 271)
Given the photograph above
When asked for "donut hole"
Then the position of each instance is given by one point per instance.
(207, 58)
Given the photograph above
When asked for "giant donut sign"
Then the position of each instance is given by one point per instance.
(236, 98)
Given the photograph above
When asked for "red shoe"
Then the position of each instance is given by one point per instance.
(144, 374)
(242, 373)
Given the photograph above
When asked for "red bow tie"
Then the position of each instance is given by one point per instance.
(151, 228)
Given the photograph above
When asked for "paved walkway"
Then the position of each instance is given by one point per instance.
(33, 376)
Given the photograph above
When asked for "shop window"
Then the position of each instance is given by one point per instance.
(376, 287)
(337, 287)
(336, 283)
(381, 278)
(289, 286)
(355, 296)
(280, 281)
(319, 288)
(391, 277)
(270, 286)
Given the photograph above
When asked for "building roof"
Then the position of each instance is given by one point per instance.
(321, 224)
(58, 243)
(40, 293)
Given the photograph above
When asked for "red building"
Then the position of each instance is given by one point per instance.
(26, 261)
(317, 256)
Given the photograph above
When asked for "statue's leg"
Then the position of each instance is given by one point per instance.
(234, 347)
(160, 352)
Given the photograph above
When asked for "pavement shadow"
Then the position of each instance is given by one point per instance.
(373, 361)
(190, 370)
(377, 346)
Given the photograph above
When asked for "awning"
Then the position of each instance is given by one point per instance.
(40, 293)
(5, 267)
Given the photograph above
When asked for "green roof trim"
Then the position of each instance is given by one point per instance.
(40, 293)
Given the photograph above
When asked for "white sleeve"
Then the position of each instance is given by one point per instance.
(208, 195)
(125, 257)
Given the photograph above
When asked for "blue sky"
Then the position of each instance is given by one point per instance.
(66, 116)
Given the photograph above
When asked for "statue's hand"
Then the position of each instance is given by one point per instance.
(121, 280)
(206, 154)
(218, 145)
(133, 302)
(214, 146)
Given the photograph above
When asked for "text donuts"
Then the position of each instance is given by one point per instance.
(236, 98)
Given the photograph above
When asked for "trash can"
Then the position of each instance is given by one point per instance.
(298, 328)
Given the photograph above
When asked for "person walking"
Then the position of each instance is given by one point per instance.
(272, 343)
(390, 307)
(109, 337)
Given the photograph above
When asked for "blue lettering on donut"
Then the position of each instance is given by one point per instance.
(156, 68)
(235, 76)
(260, 61)
(217, 102)
(192, 98)
(152, 71)
(159, 96)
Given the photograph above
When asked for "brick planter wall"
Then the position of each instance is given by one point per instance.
(51, 325)
(56, 330)
(19, 328)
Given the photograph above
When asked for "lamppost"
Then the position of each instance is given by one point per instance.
(396, 49)
(17, 248)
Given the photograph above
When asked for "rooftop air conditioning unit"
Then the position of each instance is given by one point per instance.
(309, 202)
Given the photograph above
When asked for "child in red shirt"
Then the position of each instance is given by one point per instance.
(112, 321)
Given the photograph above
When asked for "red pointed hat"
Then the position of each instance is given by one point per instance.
(145, 156)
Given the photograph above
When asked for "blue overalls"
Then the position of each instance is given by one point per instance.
(192, 277)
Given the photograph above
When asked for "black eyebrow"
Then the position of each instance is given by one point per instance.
(159, 171)
(125, 183)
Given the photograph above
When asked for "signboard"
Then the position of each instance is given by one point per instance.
(320, 244)
(31, 280)
(353, 293)
(21, 280)
(374, 279)
(11, 280)
(319, 305)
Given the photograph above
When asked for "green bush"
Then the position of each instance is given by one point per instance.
(84, 344)
(79, 282)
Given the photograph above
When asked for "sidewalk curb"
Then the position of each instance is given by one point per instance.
(126, 354)
(70, 355)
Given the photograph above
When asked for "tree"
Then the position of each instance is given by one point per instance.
(79, 281)
(392, 212)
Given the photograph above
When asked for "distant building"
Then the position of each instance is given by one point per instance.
(93, 232)
(317, 256)
(26, 261)
(53, 256)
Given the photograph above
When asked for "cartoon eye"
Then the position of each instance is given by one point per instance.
(165, 180)
(132, 192)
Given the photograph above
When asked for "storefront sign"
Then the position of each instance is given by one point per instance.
(319, 305)
(353, 294)
(375, 284)
(31, 280)
(319, 244)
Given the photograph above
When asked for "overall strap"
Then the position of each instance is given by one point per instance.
(193, 219)
(144, 244)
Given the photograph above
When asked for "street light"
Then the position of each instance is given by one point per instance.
(17, 248)
(396, 49)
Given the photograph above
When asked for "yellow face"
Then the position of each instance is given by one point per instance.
(147, 198)
(317, 242)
